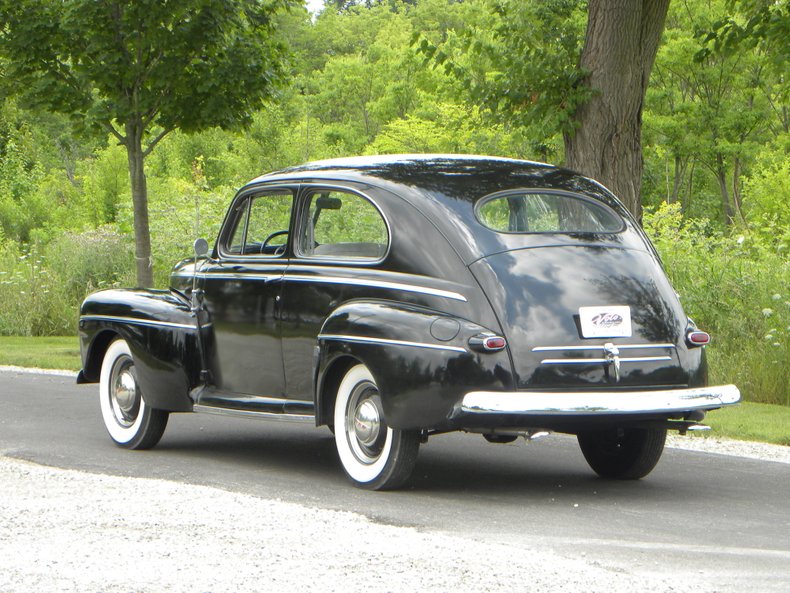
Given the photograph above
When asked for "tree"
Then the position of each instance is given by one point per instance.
(140, 69)
(536, 66)
(619, 50)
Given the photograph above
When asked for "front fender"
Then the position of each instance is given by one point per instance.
(420, 358)
(162, 335)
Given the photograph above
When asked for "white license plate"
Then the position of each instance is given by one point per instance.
(605, 322)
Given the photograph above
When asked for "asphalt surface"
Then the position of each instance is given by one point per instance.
(704, 518)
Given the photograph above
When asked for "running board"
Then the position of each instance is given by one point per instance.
(283, 416)
(210, 400)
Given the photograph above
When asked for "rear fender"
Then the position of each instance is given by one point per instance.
(420, 358)
(161, 332)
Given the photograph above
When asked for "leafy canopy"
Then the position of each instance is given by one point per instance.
(188, 64)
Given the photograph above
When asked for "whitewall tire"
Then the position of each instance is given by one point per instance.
(373, 455)
(130, 422)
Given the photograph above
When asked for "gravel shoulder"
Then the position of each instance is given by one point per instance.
(70, 531)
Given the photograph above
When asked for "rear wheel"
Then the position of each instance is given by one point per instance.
(132, 424)
(623, 453)
(373, 455)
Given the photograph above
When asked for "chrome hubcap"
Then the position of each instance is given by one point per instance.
(366, 423)
(124, 395)
(365, 429)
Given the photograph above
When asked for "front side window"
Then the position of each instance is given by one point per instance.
(538, 212)
(342, 225)
(261, 226)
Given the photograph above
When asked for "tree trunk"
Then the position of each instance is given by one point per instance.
(142, 233)
(619, 50)
(721, 177)
(680, 170)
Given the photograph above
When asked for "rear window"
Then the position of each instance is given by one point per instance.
(546, 212)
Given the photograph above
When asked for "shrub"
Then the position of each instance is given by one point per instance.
(41, 287)
(733, 285)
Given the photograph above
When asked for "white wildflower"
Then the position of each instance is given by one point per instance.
(767, 312)
(741, 239)
(776, 297)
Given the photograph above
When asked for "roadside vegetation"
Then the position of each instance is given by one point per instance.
(398, 76)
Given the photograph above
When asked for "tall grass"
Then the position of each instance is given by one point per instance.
(41, 286)
(735, 286)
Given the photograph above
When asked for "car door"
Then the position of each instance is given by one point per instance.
(342, 236)
(242, 290)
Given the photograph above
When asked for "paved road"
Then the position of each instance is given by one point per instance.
(712, 519)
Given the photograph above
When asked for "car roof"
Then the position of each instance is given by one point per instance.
(446, 187)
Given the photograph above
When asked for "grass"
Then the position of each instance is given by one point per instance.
(749, 421)
(44, 353)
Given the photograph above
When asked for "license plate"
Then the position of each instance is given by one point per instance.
(605, 322)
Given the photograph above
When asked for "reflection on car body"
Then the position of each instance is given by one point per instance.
(394, 298)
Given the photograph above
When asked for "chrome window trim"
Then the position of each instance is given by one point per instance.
(136, 321)
(248, 194)
(548, 191)
(388, 342)
(377, 284)
(305, 190)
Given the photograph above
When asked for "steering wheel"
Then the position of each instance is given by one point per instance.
(280, 248)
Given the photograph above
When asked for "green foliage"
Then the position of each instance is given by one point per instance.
(767, 196)
(188, 65)
(735, 287)
(41, 287)
(705, 121)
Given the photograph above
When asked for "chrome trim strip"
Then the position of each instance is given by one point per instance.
(237, 276)
(378, 284)
(600, 347)
(135, 321)
(251, 414)
(602, 360)
(367, 340)
(332, 280)
(599, 403)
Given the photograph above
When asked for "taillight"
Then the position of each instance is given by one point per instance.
(487, 343)
(697, 338)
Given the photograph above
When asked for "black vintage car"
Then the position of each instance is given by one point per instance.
(394, 298)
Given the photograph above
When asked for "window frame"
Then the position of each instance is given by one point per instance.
(548, 191)
(240, 208)
(305, 193)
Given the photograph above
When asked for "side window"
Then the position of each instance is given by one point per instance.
(342, 225)
(546, 213)
(262, 226)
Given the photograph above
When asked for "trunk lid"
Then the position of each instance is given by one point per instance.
(586, 316)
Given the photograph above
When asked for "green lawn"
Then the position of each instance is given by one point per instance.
(749, 421)
(44, 353)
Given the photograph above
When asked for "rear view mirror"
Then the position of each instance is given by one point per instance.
(327, 203)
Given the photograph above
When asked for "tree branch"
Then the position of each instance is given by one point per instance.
(156, 140)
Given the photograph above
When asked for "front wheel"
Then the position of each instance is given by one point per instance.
(132, 424)
(373, 455)
(623, 453)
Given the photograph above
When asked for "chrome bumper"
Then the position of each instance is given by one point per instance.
(599, 403)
